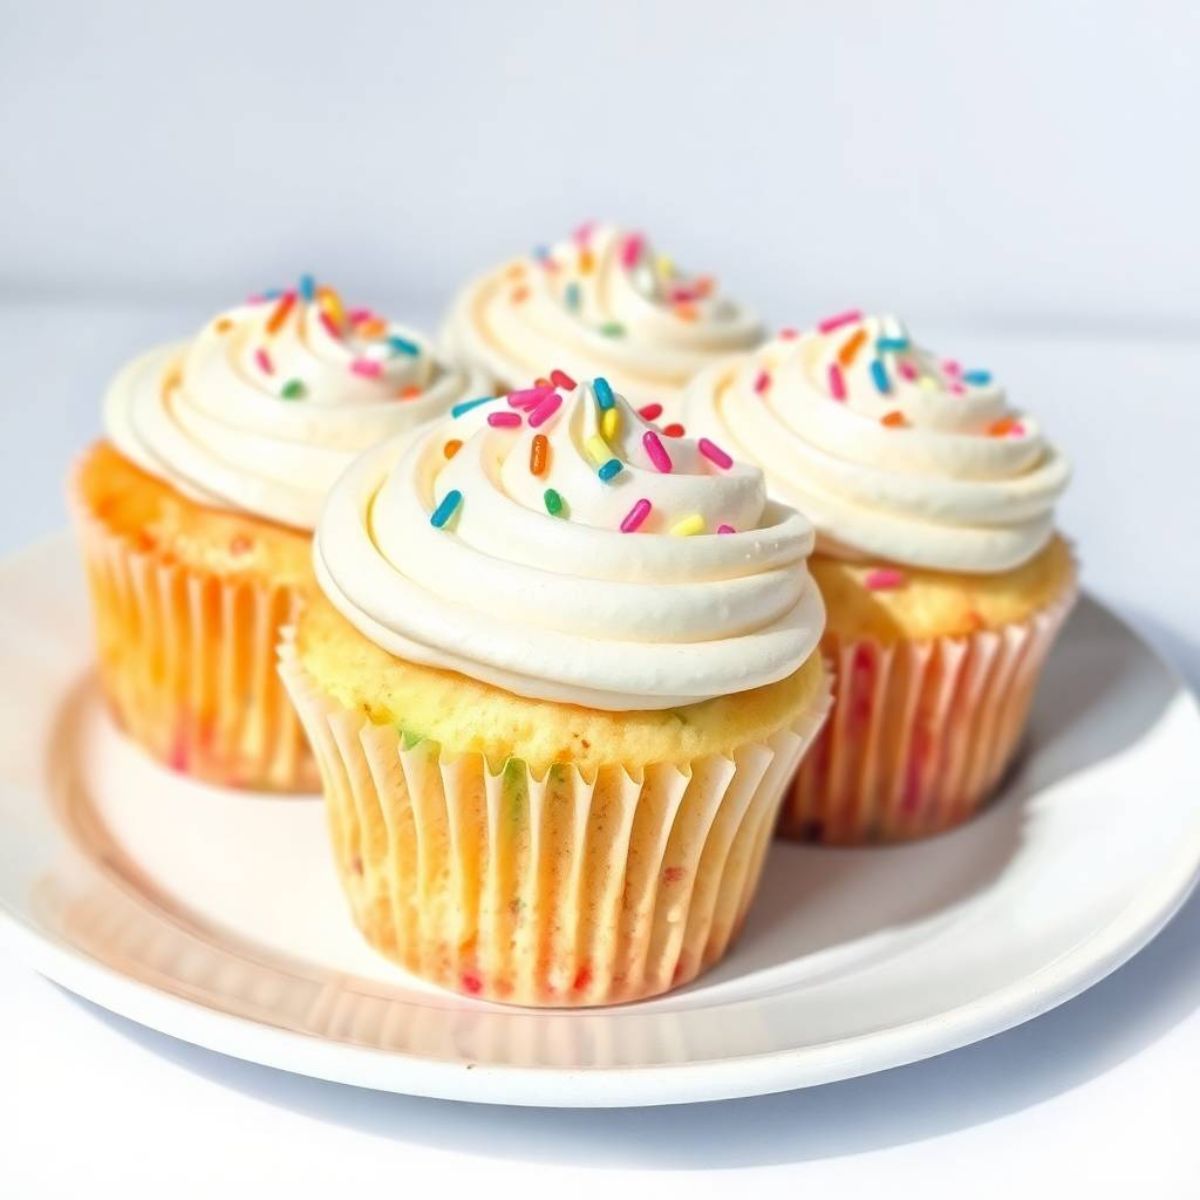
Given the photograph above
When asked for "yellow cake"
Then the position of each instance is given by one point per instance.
(554, 735)
(944, 581)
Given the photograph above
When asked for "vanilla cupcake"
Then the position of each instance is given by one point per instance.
(943, 577)
(561, 678)
(603, 302)
(195, 515)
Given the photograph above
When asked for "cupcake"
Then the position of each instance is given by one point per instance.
(943, 577)
(195, 513)
(560, 679)
(600, 303)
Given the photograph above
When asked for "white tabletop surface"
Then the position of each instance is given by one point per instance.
(1088, 1099)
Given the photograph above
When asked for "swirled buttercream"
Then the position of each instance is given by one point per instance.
(602, 302)
(892, 452)
(499, 544)
(268, 403)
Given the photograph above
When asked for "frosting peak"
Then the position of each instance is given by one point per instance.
(602, 302)
(269, 402)
(553, 543)
(893, 452)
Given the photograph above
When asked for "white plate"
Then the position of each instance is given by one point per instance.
(216, 917)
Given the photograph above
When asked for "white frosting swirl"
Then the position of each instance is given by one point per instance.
(600, 303)
(265, 407)
(892, 452)
(567, 607)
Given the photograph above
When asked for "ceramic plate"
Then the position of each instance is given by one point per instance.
(216, 917)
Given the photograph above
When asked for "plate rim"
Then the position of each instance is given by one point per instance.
(1094, 958)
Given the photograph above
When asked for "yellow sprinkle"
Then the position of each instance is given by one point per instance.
(666, 268)
(332, 303)
(688, 526)
(597, 449)
(610, 422)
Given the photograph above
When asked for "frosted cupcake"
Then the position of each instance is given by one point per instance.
(603, 302)
(561, 679)
(195, 516)
(944, 580)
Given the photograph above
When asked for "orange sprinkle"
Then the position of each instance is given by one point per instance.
(519, 294)
(332, 303)
(850, 348)
(373, 327)
(411, 392)
(893, 420)
(539, 453)
(515, 271)
(224, 325)
(704, 286)
(452, 447)
(279, 315)
(542, 382)
(686, 312)
(1002, 427)
(587, 261)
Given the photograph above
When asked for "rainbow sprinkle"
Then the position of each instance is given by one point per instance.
(650, 412)
(850, 348)
(657, 452)
(836, 322)
(596, 447)
(264, 361)
(539, 455)
(308, 289)
(403, 345)
(893, 420)
(604, 392)
(880, 376)
(894, 345)
(673, 430)
(977, 378)
(293, 390)
(280, 312)
(444, 511)
(837, 383)
(367, 368)
(726, 529)
(688, 526)
(610, 423)
(612, 329)
(562, 379)
(504, 420)
(762, 382)
(714, 453)
(572, 295)
(328, 325)
(636, 517)
(530, 397)
(553, 502)
(452, 447)
(465, 406)
(631, 252)
(907, 370)
(544, 411)
(883, 578)
(610, 470)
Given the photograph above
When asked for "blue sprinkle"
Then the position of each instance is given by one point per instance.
(604, 395)
(879, 374)
(272, 293)
(465, 406)
(571, 295)
(611, 469)
(308, 288)
(541, 253)
(402, 345)
(896, 344)
(445, 510)
(977, 378)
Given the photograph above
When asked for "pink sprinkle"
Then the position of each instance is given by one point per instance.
(951, 367)
(658, 454)
(958, 389)
(762, 382)
(726, 529)
(356, 316)
(788, 335)
(837, 384)
(562, 379)
(330, 327)
(583, 234)
(884, 578)
(504, 420)
(906, 369)
(529, 397)
(650, 412)
(367, 368)
(264, 361)
(831, 323)
(544, 411)
(635, 517)
(1016, 429)
(714, 453)
(632, 251)
(683, 294)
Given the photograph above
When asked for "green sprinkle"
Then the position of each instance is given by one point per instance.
(554, 502)
(294, 389)
(612, 329)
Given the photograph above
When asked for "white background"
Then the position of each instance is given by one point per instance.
(1020, 179)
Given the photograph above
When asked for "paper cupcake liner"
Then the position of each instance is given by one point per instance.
(187, 662)
(920, 731)
(562, 890)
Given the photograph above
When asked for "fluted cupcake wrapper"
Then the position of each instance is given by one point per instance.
(553, 890)
(187, 662)
(920, 732)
